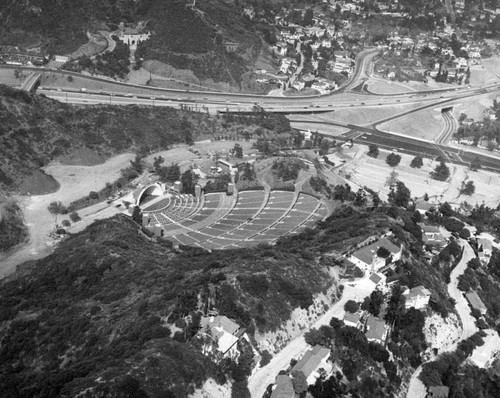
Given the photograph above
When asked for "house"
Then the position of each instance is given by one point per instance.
(61, 58)
(231, 46)
(438, 392)
(321, 87)
(371, 258)
(224, 332)
(377, 279)
(476, 302)
(418, 297)
(423, 206)
(312, 361)
(431, 236)
(283, 387)
(484, 250)
(353, 320)
(376, 329)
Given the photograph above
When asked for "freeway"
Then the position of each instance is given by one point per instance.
(399, 143)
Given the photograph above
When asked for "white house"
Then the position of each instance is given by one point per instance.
(485, 248)
(418, 297)
(61, 58)
(353, 320)
(322, 87)
(224, 332)
(369, 259)
(312, 361)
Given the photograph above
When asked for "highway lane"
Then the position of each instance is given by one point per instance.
(399, 143)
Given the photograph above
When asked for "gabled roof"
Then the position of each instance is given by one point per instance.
(424, 205)
(475, 301)
(418, 291)
(366, 253)
(220, 322)
(311, 360)
(353, 318)
(429, 228)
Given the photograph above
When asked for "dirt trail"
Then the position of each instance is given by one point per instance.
(75, 182)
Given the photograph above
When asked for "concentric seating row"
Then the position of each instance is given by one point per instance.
(248, 218)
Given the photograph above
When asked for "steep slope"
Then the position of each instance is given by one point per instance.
(35, 130)
(103, 307)
(183, 37)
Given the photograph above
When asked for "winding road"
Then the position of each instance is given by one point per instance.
(416, 388)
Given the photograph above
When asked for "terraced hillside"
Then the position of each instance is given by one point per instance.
(218, 221)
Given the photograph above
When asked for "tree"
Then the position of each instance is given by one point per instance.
(475, 165)
(351, 306)
(93, 195)
(308, 18)
(188, 180)
(299, 381)
(373, 151)
(57, 208)
(137, 215)
(265, 358)
(417, 162)
(393, 159)
(401, 196)
(238, 151)
(74, 216)
(467, 188)
(441, 172)
(66, 223)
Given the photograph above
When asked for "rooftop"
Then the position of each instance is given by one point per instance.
(475, 301)
(418, 291)
(353, 318)
(376, 328)
(311, 360)
(376, 278)
(366, 253)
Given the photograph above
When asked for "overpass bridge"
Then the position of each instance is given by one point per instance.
(32, 81)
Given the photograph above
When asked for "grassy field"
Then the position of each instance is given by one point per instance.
(8, 77)
(374, 173)
(388, 87)
(474, 107)
(426, 124)
(486, 73)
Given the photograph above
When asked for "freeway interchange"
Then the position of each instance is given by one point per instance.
(351, 95)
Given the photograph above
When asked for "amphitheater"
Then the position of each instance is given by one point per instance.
(221, 221)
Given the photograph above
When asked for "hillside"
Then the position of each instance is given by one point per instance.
(35, 130)
(113, 306)
(182, 37)
(109, 297)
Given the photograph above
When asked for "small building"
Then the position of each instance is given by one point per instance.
(438, 392)
(476, 302)
(312, 361)
(423, 207)
(61, 58)
(283, 387)
(377, 279)
(431, 236)
(418, 297)
(376, 330)
(369, 257)
(485, 249)
(225, 332)
(353, 320)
